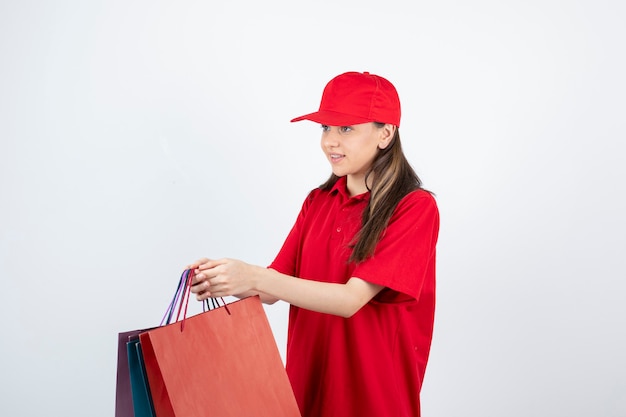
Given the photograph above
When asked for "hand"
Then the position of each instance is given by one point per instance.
(220, 278)
(194, 266)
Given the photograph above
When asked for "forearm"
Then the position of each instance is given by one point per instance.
(338, 299)
(265, 298)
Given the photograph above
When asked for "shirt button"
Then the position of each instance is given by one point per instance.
(338, 229)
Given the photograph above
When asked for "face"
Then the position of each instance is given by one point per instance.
(352, 149)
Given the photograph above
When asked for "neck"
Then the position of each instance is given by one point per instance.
(356, 185)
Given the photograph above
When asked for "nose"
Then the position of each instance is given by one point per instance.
(330, 138)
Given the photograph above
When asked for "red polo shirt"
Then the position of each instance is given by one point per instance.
(373, 363)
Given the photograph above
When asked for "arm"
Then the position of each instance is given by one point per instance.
(223, 277)
(265, 298)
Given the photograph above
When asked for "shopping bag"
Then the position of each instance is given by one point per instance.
(223, 362)
(132, 396)
(123, 392)
(142, 400)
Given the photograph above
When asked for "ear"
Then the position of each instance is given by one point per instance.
(387, 133)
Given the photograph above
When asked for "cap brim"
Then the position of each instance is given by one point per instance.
(331, 118)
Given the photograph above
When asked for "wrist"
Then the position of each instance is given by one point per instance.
(262, 278)
(255, 275)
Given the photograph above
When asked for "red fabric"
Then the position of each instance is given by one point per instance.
(373, 363)
(354, 97)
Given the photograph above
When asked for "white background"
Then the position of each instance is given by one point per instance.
(138, 136)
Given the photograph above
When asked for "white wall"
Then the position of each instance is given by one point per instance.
(137, 136)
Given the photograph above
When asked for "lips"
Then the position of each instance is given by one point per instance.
(335, 157)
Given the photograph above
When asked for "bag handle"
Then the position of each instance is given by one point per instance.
(176, 300)
(181, 297)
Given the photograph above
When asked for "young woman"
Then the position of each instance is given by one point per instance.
(357, 268)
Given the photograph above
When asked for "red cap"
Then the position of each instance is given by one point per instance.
(353, 98)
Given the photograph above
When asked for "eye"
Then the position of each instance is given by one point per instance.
(325, 128)
(345, 129)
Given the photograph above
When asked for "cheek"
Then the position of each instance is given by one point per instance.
(369, 150)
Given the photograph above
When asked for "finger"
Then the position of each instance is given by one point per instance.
(213, 263)
(210, 275)
(200, 286)
(198, 278)
(203, 295)
(197, 263)
(217, 281)
(210, 263)
(193, 265)
(219, 288)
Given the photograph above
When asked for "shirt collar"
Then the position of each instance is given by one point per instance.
(341, 188)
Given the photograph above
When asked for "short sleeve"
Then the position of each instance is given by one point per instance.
(405, 254)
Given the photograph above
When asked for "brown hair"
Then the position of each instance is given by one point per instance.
(392, 179)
